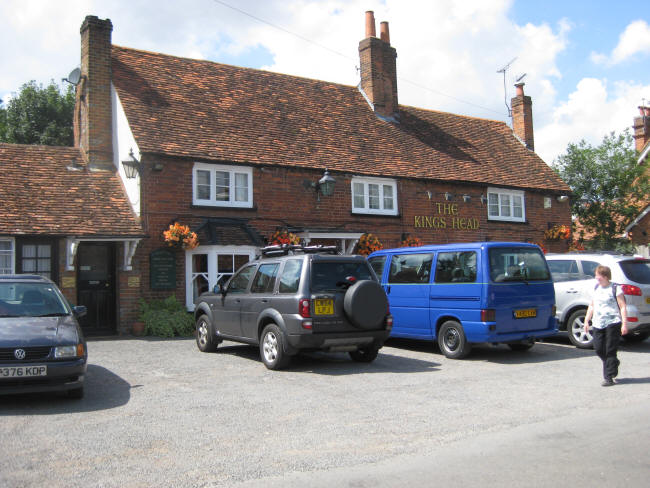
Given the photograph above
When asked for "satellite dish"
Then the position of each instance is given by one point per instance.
(74, 77)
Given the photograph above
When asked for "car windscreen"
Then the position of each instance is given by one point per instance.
(637, 270)
(331, 275)
(517, 264)
(18, 299)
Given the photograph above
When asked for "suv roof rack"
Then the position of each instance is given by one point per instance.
(285, 249)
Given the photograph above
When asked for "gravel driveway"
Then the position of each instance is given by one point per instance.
(160, 413)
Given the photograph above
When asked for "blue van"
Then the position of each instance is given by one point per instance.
(494, 292)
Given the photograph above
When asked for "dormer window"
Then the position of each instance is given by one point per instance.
(374, 196)
(222, 186)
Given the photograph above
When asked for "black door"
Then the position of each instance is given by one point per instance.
(96, 286)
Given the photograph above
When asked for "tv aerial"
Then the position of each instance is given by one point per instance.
(503, 70)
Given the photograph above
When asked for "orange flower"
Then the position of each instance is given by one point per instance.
(411, 242)
(282, 236)
(368, 243)
(180, 236)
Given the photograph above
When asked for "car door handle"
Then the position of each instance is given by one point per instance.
(264, 300)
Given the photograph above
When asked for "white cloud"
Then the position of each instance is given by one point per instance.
(634, 40)
(592, 111)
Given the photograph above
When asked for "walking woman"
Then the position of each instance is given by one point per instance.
(609, 315)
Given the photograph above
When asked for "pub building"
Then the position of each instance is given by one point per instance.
(238, 156)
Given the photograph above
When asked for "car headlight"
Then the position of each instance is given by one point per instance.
(69, 351)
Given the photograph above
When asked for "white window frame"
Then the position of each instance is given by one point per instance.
(11, 252)
(213, 274)
(501, 193)
(381, 182)
(212, 201)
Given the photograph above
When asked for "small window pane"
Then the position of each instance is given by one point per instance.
(222, 185)
(456, 267)
(517, 208)
(203, 185)
(410, 268)
(505, 205)
(241, 187)
(373, 196)
(493, 204)
(240, 281)
(359, 201)
(388, 197)
(290, 279)
(264, 281)
(378, 265)
(29, 251)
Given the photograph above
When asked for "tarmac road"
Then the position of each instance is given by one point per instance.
(159, 413)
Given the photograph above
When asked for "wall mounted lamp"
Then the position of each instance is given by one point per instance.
(466, 198)
(131, 167)
(448, 196)
(562, 198)
(324, 186)
(484, 199)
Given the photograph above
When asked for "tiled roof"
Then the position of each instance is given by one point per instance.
(40, 195)
(205, 110)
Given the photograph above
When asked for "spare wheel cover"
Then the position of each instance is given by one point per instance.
(365, 304)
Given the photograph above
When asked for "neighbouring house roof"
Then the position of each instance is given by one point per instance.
(209, 111)
(41, 196)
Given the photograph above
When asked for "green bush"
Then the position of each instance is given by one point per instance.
(166, 318)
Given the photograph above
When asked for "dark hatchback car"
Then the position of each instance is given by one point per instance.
(298, 299)
(42, 348)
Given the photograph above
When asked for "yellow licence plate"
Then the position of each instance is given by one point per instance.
(647, 300)
(526, 313)
(324, 306)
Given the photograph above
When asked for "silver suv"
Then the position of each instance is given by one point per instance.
(297, 299)
(573, 277)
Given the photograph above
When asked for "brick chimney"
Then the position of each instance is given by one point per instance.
(93, 123)
(522, 117)
(378, 69)
(642, 128)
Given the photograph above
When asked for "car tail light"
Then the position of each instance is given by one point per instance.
(633, 319)
(488, 315)
(631, 290)
(303, 308)
(307, 324)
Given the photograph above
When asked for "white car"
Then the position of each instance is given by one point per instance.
(573, 278)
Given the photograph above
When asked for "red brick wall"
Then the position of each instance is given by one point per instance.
(280, 198)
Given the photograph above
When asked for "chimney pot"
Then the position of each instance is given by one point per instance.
(520, 89)
(647, 111)
(383, 32)
(370, 24)
(641, 110)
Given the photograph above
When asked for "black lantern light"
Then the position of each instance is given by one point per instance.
(324, 186)
(131, 167)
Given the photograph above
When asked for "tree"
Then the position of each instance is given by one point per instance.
(39, 116)
(609, 188)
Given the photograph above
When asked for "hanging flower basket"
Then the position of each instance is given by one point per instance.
(283, 236)
(411, 242)
(180, 236)
(368, 243)
(557, 233)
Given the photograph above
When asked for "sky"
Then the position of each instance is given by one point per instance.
(586, 63)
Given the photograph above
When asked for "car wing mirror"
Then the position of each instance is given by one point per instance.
(79, 311)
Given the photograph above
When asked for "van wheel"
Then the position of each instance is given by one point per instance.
(452, 341)
(271, 348)
(575, 327)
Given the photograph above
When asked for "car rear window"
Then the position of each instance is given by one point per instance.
(330, 275)
(517, 264)
(637, 270)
